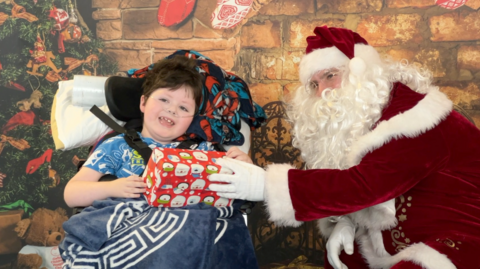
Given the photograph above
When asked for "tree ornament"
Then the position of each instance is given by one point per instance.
(34, 164)
(49, 56)
(2, 177)
(172, 12)
(229, 13)
(451, 4)
(73, 16)
(61, 18)
(20, 12)
(71, 34)
(54, 176)
(20, 144)
(26, 104)
(39, 52)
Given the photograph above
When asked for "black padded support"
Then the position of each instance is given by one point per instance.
(123, 97)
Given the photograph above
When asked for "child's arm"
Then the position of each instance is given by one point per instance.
(236, 153)
(84, 188)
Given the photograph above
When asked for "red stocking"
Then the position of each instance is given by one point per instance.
(229, 13)
(34, 164)
(172, 12)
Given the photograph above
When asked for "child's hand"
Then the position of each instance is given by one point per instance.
(128, 187)
(237, 154)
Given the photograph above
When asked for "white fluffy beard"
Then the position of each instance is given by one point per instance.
(325, 127)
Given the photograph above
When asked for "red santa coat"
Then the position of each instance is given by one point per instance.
(421, 153)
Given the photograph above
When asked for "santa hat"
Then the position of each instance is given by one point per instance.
(334, 47)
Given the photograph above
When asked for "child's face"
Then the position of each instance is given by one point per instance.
(167, 114)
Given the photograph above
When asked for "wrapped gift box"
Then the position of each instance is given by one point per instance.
(180, 177)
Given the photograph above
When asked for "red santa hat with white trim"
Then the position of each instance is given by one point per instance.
(335, 47)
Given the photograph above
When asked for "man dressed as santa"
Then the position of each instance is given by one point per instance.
(390, 164)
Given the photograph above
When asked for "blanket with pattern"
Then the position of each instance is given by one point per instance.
(128, 233)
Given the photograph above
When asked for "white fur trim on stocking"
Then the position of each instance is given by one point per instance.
(277, 196)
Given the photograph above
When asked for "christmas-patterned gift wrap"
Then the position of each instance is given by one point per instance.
(180, 177)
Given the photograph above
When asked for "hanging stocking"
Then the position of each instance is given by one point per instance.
(21, 118)
(450, 4)
(172, 12)
(229, 13)
(34, 164)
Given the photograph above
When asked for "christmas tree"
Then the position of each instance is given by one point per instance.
(41, 43)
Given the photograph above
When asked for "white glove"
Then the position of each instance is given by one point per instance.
(248, 182)
(341, 238)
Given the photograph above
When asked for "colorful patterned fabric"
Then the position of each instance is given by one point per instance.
(226, 100)
(115, 157)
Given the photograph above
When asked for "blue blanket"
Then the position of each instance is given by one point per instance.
(128, 233)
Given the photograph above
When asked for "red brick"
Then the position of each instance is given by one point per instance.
(300, 29)
(127, 59)
(455, 26)
(422, 58)
(196, 44)
(202, 31)
(467, 97)
(468, 57)
(391, 30)
(290, 66)
(265, 35)
(142, 24)
(129, 45)
(474, 4)
(266, 93)
(126, 4)
(410, 3)
(106, 14)
(109, 30)
(288, 7)
(349, 6)
(106, 3)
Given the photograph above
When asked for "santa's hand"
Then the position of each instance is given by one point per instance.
(248, 182)
(341, 238)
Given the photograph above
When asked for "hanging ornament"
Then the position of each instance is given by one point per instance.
(229, 13)
(54, 176)
(21, 118)
(451, 4)
(61, 18)
(71, 34)
(73, 16)
(38, 53)
(15, 86)
(26, 104)
(172, 12)
(20, 12)
(20, 144)
(34, 164)
(2, 177)
(40, 56)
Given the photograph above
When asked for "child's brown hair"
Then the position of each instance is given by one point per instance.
(173, 73)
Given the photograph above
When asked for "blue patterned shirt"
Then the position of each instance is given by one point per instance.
(114, 156)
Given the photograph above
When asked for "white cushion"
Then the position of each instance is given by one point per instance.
(75, 126)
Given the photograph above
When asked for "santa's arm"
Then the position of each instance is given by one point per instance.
(294, 195)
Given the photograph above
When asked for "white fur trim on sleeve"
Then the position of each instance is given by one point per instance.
(419, 253)
(428, 113)
(277, 196)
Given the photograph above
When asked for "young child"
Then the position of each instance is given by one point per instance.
(171, 97)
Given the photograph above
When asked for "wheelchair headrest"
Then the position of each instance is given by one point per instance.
(123, 96)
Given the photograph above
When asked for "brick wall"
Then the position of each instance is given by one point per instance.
(266, 47)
